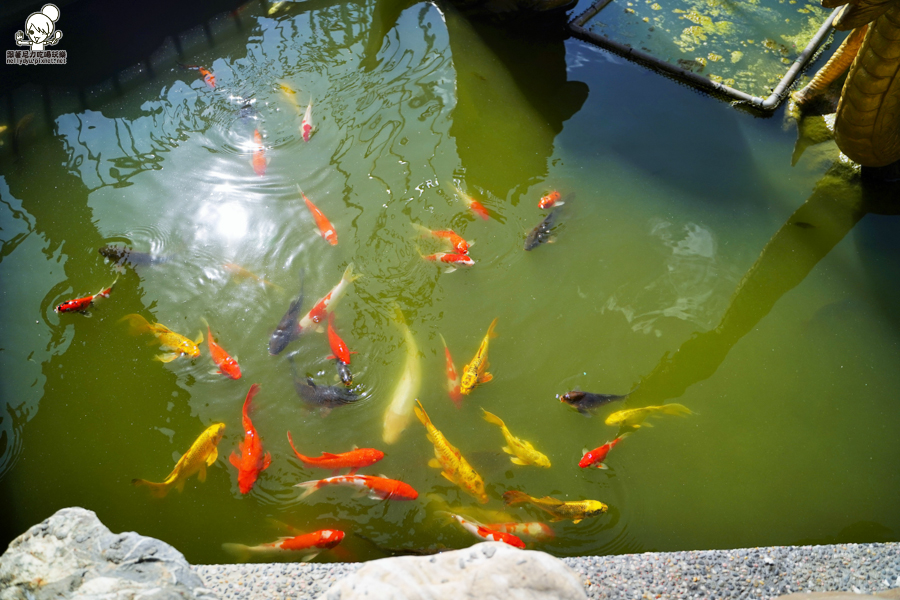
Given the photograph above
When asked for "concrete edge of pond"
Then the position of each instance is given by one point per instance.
(748, 573)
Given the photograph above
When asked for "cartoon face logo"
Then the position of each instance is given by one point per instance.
(41, 29)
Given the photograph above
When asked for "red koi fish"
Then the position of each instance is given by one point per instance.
(452, 377)
(534, 529)
(307, 127)
(474, 205)
(310, 544)
(322, 222)
(379, 488)
(459, 245)
(81, 304)
(454, 260)
(353, 460)
(208, 77)
(252, 460)
(259, 155)
(550, 200)
(486, 533)
(595, 457)
(227, 365)
(338, 347)
(320, 310)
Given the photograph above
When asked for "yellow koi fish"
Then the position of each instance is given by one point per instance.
(455, 468)
(168, 339)
(633, 417)
(476, 371)
(202, 453)
(577, 510)
(523, 453)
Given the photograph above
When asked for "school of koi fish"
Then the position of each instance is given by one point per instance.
(250, 459)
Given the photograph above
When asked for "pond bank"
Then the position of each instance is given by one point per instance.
(754, 573)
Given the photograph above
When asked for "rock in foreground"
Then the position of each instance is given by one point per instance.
(487, 571)
(73, 555)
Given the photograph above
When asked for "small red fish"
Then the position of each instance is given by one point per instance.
(252, 461)
(454, 260)
(338, 347)
(595, 457)
(353, 460)
(460, 246)
(322, 222)
(379, 488)
(452, 377)
(81, 304)
(306, 125)
(488, 534)
(227, 365)
(550, 200)
(208, 77)
(259, 155)
(534, 529)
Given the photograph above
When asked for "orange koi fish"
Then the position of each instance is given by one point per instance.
(329, 301)
(459, 245)
(379, 488)
(338, 347)
(595, 457)
(534, 529)
(310, 544)
(485, 533)
(322, 222)
(208, 77)
(252, 461)
(307, 127)
(227, 365)
(550, 200)
(259, 155)
(452, 377)
(474, 205)
(168, 339)
(81, 304)
(476, 371)
(353, 460)
(454, 260)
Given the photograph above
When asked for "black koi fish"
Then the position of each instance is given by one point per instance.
(541, 234)
(121, 254)
(586, 402)
(321, 396)
(288, 328)
(344, 373)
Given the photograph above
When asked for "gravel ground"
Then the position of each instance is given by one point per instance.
(755, 573)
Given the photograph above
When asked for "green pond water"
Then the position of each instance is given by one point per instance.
(692, 263)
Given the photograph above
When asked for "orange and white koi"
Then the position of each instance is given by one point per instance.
(320, 310)
(353, 460)
(595, 457)
(202, 453)
(306, 125)
(322, 222)
(459, 245)
(474, 205)
(81, 304)
(550, 200)
(533, 529)
(252, 460)
(379, 488)
(486, 533)
(448, 258)
(338, 347)
(168, 339)
(452, 376)
(227, 365)
(259, 155)
(309, 544)
(475, 372)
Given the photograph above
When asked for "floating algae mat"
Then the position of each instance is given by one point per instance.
(744, 45)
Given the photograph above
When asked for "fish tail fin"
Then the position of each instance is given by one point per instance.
(291, 442)
(308, 488)
(515, 497)
(240, 552)
(159, 490)
(623, 436)
(423, 231)
(443, 341)
(493, 419)
(104, 292)
(420, 413)
(136, 324)
(250, 394)
(676, 409)
(490, 332)
(349, 275)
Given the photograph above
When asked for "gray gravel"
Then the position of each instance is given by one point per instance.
(755, 573)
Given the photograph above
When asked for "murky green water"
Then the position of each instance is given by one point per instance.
(678, 270)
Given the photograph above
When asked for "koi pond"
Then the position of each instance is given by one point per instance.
(690, 263)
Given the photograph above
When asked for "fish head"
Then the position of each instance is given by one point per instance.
(595, 507)
(279, 341)
(189, 348)
(231, 368)
(572, 397)
(246, 479)
(586, 460)
(344, 372)
(329, 538)
(468, 381)
(542, 461)
(217, 430)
